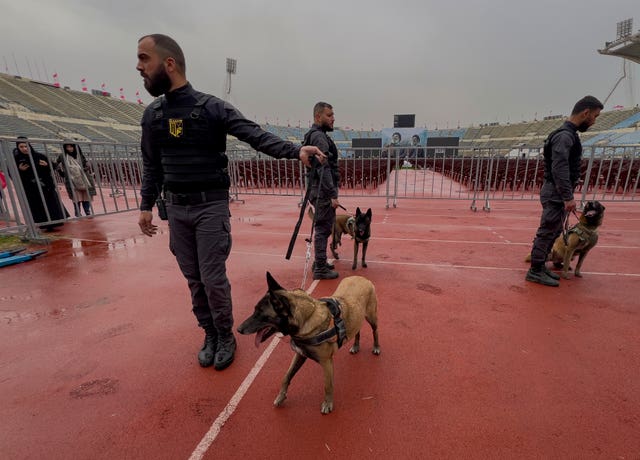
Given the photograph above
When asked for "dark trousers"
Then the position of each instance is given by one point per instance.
(86, 205)
(200, 238)
(325, 216)
(550, 228)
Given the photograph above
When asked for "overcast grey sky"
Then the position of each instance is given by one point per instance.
(448, 62)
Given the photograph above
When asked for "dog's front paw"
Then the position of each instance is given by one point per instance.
(376, 350)
(364, 265)
(327, 407)
(354, 349)
(353, 267)
(578, 274)
(565, 275)
(280, 399)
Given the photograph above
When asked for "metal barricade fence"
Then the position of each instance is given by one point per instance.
(479, 175)
(115, 170)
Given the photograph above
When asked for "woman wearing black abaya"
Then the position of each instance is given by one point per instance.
(27, 159)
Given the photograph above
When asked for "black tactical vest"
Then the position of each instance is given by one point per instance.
(184, 136)
(332, 156)
(575, 156)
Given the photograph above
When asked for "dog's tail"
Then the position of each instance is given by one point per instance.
(528, 258)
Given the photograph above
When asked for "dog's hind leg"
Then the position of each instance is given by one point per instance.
(334, 246)
(372, 319)
(376, 344)
(296, 363)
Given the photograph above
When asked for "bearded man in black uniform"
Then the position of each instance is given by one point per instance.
(323, 183)
(183, 152)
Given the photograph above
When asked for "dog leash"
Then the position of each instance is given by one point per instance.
(315, 165)
(565, 226)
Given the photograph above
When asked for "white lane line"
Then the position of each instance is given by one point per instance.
(435, 265)
(231, 406)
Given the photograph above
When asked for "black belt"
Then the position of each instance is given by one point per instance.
(193, 198)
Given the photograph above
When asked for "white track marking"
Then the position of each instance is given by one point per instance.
(231, 406)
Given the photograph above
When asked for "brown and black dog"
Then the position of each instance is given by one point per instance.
(311, 323)
(580, 239)
(358, 227)
(577, 241)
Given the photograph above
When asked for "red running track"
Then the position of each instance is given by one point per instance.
(98, 345)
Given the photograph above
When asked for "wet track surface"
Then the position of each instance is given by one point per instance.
(98, 344)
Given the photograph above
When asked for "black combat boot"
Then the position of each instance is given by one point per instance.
(329, 265)
(225, 351)
(323, 272)
(208, 350)
(539, 275)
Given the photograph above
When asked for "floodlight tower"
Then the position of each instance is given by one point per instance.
(231, 70)
(627, 46)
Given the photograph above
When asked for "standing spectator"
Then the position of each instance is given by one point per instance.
(562, 158)
(183, 148)
(323, 182)
(40, 188)
(78, 178)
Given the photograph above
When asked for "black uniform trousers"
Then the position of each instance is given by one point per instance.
(325, 216)
(200, 239)
(551, 221)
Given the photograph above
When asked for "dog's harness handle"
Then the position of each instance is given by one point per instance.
(339, 329)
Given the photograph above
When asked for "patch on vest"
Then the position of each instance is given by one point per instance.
(175, 127)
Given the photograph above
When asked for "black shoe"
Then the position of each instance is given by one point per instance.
(329, 265)
(541, 277)
(225, 351)
(208, 350)
(551, 274)
(324, 273)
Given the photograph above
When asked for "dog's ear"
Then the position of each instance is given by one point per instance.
(358, 212)
(272, 283)
(369, 213)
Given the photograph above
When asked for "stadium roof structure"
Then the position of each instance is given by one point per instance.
(627, 47)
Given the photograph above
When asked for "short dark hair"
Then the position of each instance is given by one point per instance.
(319, 107)
(168, 47)
(587, 102)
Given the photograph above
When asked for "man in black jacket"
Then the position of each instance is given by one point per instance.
(323, 182)
(562, 158)
(183, 152)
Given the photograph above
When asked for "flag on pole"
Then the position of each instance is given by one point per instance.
(56, 83)
(84, 84)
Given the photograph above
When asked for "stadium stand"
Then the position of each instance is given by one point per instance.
(41, 110)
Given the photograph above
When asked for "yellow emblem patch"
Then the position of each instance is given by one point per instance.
(175, 127)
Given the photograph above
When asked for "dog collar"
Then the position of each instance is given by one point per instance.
(336, 329)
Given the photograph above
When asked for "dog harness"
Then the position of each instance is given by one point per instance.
(336, 329)
(582, 232)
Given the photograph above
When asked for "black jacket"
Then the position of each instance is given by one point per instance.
(563, 156)
(224, 118)
(328, 172)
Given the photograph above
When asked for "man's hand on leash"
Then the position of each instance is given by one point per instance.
(570, 206)
(309, 151)
(335, 203)
(146, 223)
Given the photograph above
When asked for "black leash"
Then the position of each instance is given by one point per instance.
(565, 227)
(315, 164)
